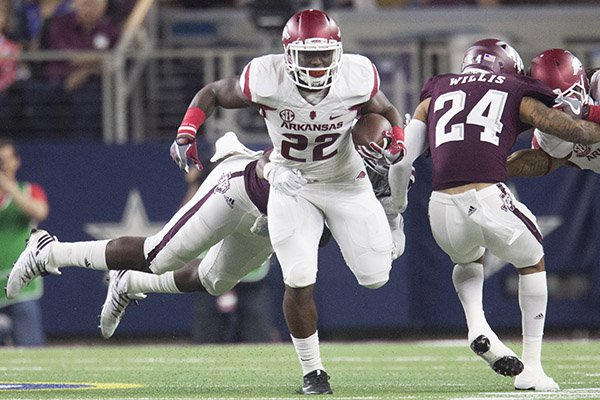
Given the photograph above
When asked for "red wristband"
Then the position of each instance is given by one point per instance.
(398, 133)
(594, 114)
(194, 117)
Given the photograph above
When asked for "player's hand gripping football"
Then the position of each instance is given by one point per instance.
(185, 152)
(288, 181)
(392, 151)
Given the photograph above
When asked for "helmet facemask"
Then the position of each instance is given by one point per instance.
(576, 91)
(297, 62)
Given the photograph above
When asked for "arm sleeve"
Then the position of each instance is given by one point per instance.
(415, 140)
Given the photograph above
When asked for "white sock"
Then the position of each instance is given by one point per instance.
(308, 353)
(533, 299)
(90, 254)
(468, 283)
(142, 282)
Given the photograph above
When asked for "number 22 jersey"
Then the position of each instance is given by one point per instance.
(312, 138)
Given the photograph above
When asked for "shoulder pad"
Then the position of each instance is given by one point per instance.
(359, 74)
(262, 77)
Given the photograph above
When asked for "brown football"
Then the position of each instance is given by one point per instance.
(370, 128)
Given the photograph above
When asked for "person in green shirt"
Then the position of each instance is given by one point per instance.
(22, 206)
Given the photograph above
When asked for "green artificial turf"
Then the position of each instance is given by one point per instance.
(359, 370)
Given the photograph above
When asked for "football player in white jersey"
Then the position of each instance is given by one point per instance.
(220, 273)
(309, 97)
(564, 73)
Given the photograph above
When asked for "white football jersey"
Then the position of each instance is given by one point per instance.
(315, 139)
(585, 156)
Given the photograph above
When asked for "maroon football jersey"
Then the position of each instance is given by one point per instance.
(473, 122)
(256, 188)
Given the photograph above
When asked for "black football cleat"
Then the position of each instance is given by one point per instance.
(316, 382)
(506, 365)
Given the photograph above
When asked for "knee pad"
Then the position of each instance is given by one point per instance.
(298, 277)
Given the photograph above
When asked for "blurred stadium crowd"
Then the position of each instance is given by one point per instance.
(47, 93)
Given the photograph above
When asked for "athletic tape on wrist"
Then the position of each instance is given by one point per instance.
(192, 120)
(398, 133)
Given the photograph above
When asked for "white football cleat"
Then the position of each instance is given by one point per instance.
(116, 302)
(32, 262)
(535, 379)
(499, 357)
(229, 145)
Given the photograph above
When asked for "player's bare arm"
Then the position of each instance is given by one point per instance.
(558, 123)
(421, 110)
(379, 104)
(225, 93)
(533, 162)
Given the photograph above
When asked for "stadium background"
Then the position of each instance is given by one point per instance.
(125, 183)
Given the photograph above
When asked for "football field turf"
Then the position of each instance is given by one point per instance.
(359, 370)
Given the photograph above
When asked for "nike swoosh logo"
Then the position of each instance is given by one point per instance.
(332, 117)
(576, 108)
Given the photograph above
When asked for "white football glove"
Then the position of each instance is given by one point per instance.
(572, 106)
(287, 180)
(261, 226)
(390, 207)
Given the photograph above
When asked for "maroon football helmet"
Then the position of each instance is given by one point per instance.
(492, 55)
(312, 31)
(562, 72)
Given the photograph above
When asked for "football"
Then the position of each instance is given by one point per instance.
(370, 128)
